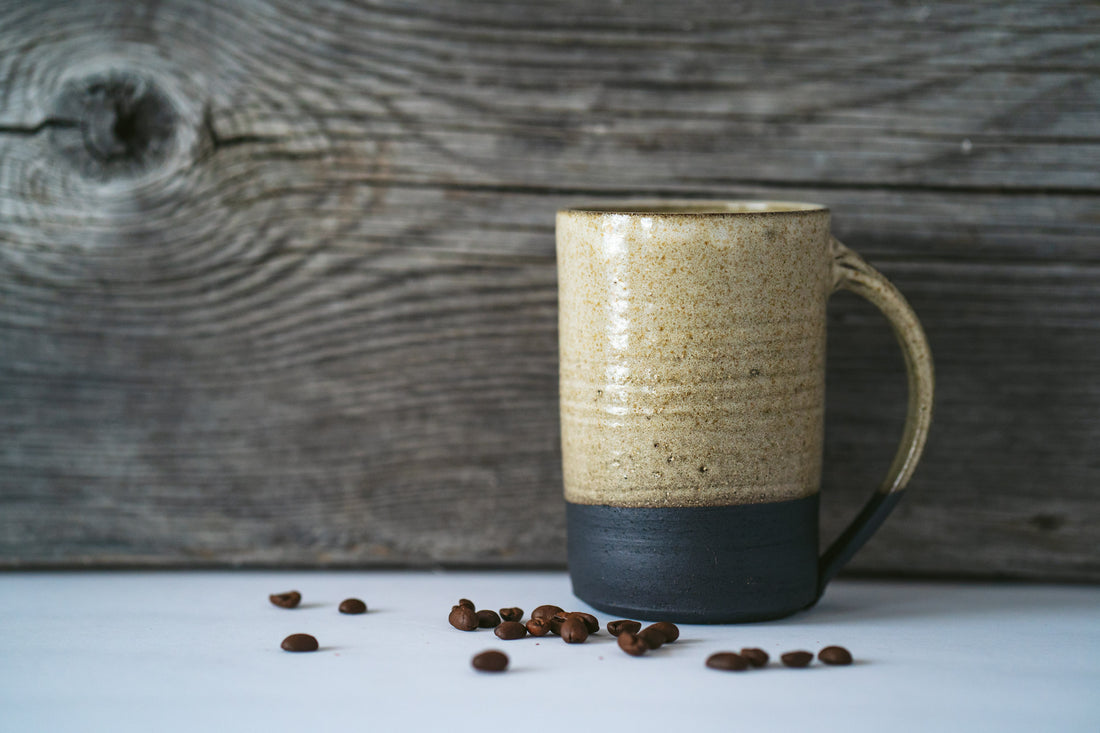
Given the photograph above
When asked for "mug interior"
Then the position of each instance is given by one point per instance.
(689, 208)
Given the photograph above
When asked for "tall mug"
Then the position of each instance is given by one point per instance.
(692, 339)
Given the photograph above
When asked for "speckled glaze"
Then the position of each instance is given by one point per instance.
(692, 346)
(692, 355)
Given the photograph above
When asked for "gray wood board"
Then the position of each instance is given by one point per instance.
(277, 280)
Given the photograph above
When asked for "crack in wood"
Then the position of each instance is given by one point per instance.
(49, 123)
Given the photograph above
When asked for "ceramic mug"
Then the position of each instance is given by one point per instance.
(692, 344)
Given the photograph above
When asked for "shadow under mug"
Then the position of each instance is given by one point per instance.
(692, 345)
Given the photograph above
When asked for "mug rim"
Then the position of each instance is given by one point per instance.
(697, 208)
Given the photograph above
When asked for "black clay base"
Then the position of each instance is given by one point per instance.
(726, 564)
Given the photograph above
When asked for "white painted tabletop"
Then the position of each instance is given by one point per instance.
(199, 651)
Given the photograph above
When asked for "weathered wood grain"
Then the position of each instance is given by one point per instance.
(277, 280)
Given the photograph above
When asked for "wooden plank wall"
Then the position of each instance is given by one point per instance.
(277, 278)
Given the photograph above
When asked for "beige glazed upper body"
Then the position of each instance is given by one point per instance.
(692, 341)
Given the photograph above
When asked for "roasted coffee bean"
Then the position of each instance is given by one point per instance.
(624, 626)
(290, 599)
(538, 627)
(671, 631)
(727, 661)
(353, 605)
(590, 622)
(300, 643)
(835, 655)
(632, 645)
(509, 630)
(755, 657)
(463, 618)
(546, 611)
(487, 619)
(573, 631)
(587, 619)
(652, 636)
(467, 603)
(796, 659)
(511, 614)
(490, 661)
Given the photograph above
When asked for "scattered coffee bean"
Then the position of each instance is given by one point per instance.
(556, 621)
(538, 627)
(573, 631)
(509, 630)
(796, 659)
(624, 626)
(590, 622)
(300, 643)
(671, 631)
(353, 605)
(755, 657)
(546, 611)
(511, 614)
(467, 603)
(463, 618)
(490, 661)
(487, 619)
(652, 636)
(290, 599)
(727, 661)
(632, 645)
(835, 655)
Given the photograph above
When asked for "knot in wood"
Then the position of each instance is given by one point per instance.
(126, 122)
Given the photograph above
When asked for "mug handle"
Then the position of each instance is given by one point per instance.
(850, 272)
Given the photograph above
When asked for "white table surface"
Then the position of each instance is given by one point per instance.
(199, 651)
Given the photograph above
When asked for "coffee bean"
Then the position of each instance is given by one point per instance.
(546, 611)
(511, 614)
(652, 636)
(509, 630)
(573, 631)
(671, 631)
(624, 626)
(487, 619)
(632, 645)
(490, 661)
(463, 618)
(538, 627)
(300, 643)
(290, 599)
(353, 605)
(727, 661)
(835, 655)
(556, 621)
(590, 622)
(755, 657)
(467, 603)
(796, 659)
